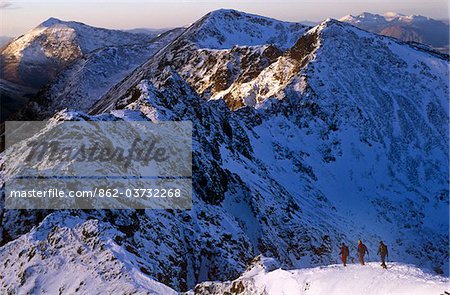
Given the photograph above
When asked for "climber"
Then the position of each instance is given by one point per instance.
(362, 250)
(344, 254)
(383, 251)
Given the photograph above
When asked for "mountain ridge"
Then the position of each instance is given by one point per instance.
(408, 28)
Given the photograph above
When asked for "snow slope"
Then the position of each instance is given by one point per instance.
(370, 279)
(68, 255)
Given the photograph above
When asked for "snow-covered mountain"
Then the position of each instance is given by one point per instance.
(337, 116)
(411, 28)
(322, 136)
(222, 29)
(225, 28)
(88, 78)
(34, 59)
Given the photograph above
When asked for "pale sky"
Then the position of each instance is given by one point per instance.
(19, 16)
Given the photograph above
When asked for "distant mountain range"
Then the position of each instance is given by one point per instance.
(303, 138)
(409, 28)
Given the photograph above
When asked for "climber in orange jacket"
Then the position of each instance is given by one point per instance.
(344, 254)
(362, 250)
